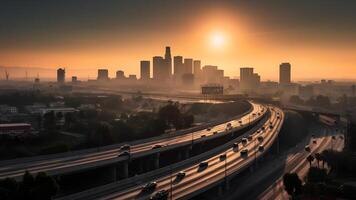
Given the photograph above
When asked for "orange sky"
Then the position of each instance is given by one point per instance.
(312, 52)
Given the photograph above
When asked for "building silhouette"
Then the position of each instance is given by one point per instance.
(178, 66)
(188, 66)
(162, 67)
(103, 74)
(284, 73)
(120, 74)
(168, 62)
(61, 75)
(197, 68)
(145, 69)
(249, 81)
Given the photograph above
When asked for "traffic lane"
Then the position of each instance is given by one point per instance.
(302, 166)
(189, 173)
(53, 163)
(57, 163)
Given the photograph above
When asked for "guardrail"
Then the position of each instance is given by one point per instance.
(140, 179)
(113, 146)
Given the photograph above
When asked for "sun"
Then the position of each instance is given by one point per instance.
(217, 40)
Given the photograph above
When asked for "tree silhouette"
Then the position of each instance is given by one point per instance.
(292, 184)
(318, 158)
(310, 159)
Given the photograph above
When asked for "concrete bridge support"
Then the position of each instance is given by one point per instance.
(156, 160)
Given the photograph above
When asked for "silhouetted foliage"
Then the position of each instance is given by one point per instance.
(30, 188)
(292, 184)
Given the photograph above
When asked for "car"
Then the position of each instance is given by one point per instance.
(249, 137)
(278, 117)
(208, 129)
(261, 148)
(307, 148)
(149, 187)
(161, 195)
(228, 124)
(258, 131)
(341, 137)
(203, 164)
(270, 127)
(157, 146)
(259, 114)
(180, 175)
(235, 145)
(125, 147)
(222, 157)
(240, 122)
(244, 141)
(244, 152)
(125, 153)
(260, 138)
(253, 114)
(215, 132)
(313, 136)
(333, 137)
(203, 136)
(263, 128)
(314, 142)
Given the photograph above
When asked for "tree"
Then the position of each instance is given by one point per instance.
(316, 175)
(49, 121)
(45, 186)
(318, 158)
(171, 115)
(310, 159)
(292, 184)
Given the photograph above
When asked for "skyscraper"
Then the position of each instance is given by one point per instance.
(61, 75)
(178, 66)
(284, 73)
(168, 61)
(103, 74)
(158, 65)
(120, 74)
(197, 68)
(188, 66)
(145, 70)
(248, 79)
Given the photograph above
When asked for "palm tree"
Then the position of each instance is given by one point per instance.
(318, 158)
(310, 159)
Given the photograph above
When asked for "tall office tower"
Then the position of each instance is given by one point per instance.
(103, 74)
(284, 73)
(61, 75)
(120, 74)
(246, 78)
(168, 61)
(188, 66)
(158, 65)
(209, 74)
(145, 70)
(178, 66)
(197, 68)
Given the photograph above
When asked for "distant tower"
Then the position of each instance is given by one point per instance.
(188, 66)
(168, 60)
(145, 69)
(103, 74)
(61, 75)
(284, 74)
(158, 65)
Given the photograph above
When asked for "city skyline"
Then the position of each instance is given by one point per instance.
(227, 34)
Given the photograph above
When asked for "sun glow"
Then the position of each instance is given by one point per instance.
(217, 40)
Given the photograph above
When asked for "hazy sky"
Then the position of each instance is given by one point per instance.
(318, 37)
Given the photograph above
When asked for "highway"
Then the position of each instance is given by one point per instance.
(268, 176)
(297, 163)
(77, 160)
(198, 179)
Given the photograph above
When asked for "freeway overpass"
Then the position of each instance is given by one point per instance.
(197, 179)
(98, 157)
(312, 109)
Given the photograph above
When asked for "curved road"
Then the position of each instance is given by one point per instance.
(72, 161)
